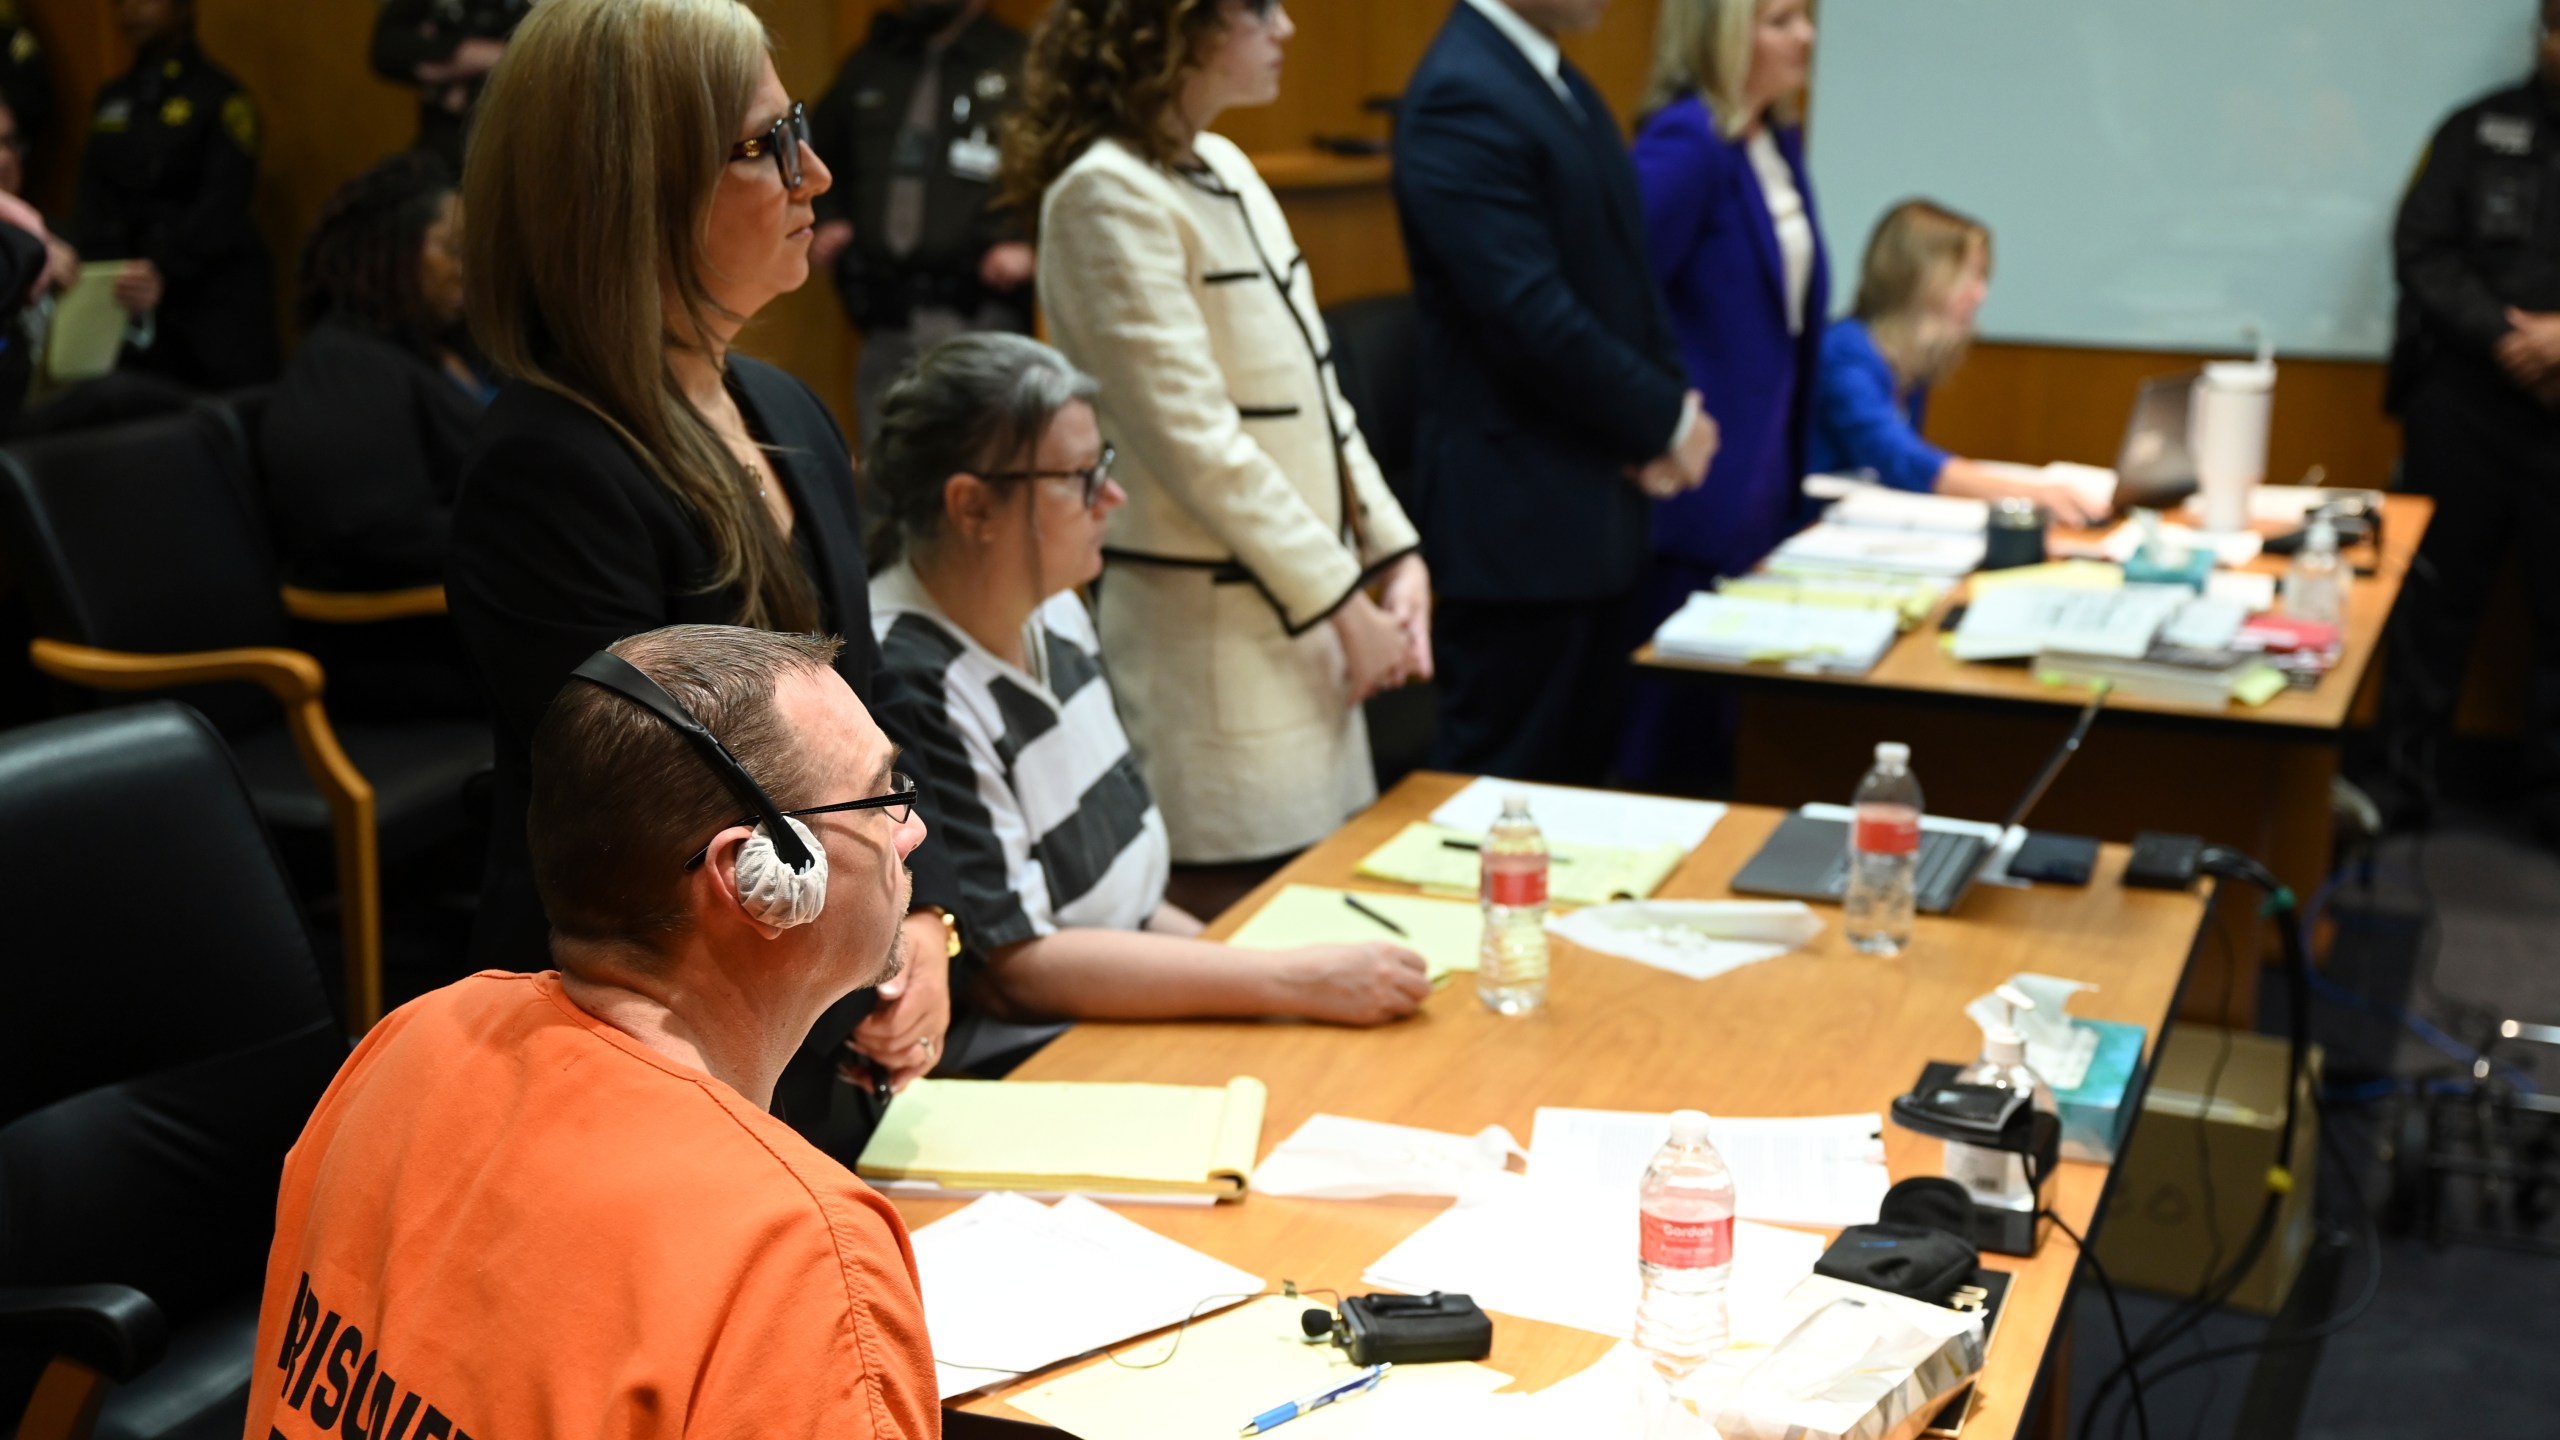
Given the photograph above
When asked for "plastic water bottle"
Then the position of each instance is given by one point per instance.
(1511, 969)
(1686, 1254)
(1884, 855)
(2316, 587)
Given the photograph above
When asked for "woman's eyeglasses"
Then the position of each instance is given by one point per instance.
(782, 142)
(1093, 476)
(899, 803)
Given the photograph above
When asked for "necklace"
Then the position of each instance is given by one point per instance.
(755, 476)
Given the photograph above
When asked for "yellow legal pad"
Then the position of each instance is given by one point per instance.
(1447, 934)
(1071, 1137)
(1576, 874)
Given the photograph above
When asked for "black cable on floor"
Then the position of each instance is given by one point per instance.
(2115, 1312)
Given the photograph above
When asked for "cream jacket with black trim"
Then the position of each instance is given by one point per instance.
(1185, 295)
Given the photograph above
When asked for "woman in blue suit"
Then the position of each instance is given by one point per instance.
(1926, 274)
(1730, 226)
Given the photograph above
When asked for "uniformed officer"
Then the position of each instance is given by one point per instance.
(26, 81)
(446, 48)
(2475, 376)
(910, 129)
(165, 186)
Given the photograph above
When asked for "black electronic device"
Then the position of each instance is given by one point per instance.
(1807, 858)
(2055, 859)
(1959, 1110)
(1944, 1108)
(1405, 1329)
(2163, 861)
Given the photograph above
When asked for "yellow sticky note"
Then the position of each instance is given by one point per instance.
(2260, 685)
(1232, 1367)
(1446, 933)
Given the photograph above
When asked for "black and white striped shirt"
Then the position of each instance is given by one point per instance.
(1037, 794)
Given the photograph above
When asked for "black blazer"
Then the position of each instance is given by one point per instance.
(363, 445)
(563, 544)
(1547, 364)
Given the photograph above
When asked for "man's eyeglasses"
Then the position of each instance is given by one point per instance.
(782, 142)
(1093, 476)
(899, 802)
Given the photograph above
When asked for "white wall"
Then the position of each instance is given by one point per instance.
(2156, 172)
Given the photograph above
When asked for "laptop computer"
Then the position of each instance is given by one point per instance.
(2155, 466)
(1807, 858)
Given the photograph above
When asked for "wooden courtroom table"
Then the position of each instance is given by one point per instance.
(2257, 779)
(1823, 1031)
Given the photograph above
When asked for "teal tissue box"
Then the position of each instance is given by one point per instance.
(2094, 1111)
(2142, 569)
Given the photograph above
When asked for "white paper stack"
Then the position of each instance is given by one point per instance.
(1825, 1170)
(1566, 1254)
(1012, 1285)
(1731, 630)
(1900, 552)
(1880, 507)
(2017, 622)
(1585, 817)
(1697, 938)
(1335, 1157)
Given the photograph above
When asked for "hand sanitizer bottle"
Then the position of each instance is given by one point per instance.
(1998, 1178)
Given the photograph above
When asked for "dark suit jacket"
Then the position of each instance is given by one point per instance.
(1547, 364)
(563, 544)
(1716, 250)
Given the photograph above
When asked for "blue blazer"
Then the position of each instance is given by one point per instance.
(1715, 250)
(1548, 366)
(1858, 421)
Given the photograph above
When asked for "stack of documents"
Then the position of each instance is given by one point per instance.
(1566, 1253)
(1011, 1285)
(1447, 934)
(2231, 548)
(1584, 817)
(1334, 1157)
(1909, 597)
(2175, 673)
(2017, 622)
(1437, 858)
(1069, 1137)
(1825, 1170)
(1879, 507)
(1728, 630)
(1830, 545)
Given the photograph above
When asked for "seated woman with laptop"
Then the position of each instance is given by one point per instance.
(1926, 274)
(997, 482)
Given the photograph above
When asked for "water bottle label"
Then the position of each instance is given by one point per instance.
(1526, 885)
(1687, 1244)
(1887, 830)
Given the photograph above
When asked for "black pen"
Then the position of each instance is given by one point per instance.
(1354, 902)
(1473, 848)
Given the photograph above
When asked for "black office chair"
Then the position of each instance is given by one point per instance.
(1377, 355)
(147, 568)
(165, 1037)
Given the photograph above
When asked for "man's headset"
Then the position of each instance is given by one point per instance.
(782, 870)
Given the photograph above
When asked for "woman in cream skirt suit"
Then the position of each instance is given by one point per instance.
(1262, 581)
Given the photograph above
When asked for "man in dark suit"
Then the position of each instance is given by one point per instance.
(1553, 402)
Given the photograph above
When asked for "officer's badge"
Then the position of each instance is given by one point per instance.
(177, 112)
(2507, 134)
(991, 84)
(241, 119)
(22, 46)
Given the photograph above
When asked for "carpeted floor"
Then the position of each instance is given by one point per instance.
(2458, 1336)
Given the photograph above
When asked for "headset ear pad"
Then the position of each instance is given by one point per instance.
(771, 891)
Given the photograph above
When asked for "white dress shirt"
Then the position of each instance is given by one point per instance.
(1787, 216)
(1544, 56)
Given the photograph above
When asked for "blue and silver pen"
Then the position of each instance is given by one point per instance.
(1279, 1415)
